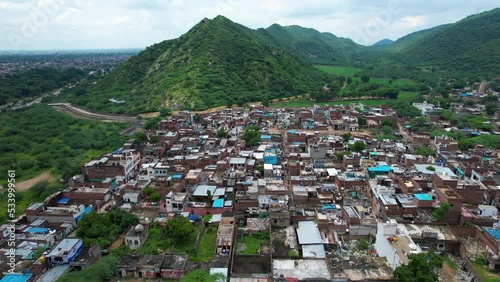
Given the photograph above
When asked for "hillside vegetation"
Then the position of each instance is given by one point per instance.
(221, 63)
(216, 63)
(39, 138)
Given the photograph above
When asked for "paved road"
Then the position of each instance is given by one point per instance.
(79, 112)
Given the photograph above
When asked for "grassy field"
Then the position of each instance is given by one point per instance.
(403, 95)
(250, 244)
(293, 104)
(486, 274)
(206, 246)
(37, 193)
(340, 70)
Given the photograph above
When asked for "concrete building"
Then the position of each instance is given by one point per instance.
(66, 251)
(136, 236)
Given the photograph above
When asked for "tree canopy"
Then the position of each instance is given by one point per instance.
(252, 135)
(102, 228)
(202, 275)
(179, 228)
(422, 267)
(358, 146)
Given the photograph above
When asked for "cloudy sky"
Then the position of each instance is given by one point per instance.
(85, 24)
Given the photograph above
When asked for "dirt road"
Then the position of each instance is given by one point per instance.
(24, 185)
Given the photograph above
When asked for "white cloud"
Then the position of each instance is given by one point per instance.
(139, 23)
(413, 21)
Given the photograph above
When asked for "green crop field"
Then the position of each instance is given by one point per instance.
(346, 71)
(293, 104)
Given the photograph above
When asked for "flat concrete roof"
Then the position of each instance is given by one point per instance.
(301, 269)
(415, 231)
(308, 233)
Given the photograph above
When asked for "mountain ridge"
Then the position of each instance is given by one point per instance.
(218, 62)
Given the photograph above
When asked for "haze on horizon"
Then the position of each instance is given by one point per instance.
(93, 24)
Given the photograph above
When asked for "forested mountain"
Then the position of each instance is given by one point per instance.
(318, 47)
(383, 42)
(467, 46)
(218, 62)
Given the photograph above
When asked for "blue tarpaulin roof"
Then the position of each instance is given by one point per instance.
(218, 203)
(63, 201)
(495, 233)
(15, 277)
(381, 168)
(176, 176)
(423, 196)
(37, 230)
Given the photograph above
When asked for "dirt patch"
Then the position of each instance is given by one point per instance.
(25, 185)
(150, 115)
(117, 243)
(447, 273)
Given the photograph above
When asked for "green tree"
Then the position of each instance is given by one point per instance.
(265, 101)
(196, 118)
(490, 98)
(179, 228)
(155, 197)
(358, 146)
(102, 228)
(152, 123)
(361, 121)
(202, 275)
(387, 122)
(362, 244)
(491, 108)
(440, 212)
(387, 130)
(221, 133)
(251, 135)
(165, 112)
(43, 160)
(346, 136)
(425, 151)
(102, 270)
(365, 78)
(140, 137)
(422, 267)
(154, 139)
(148, 191)
(260, 168)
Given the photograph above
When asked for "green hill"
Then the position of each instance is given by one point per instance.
(218, 62)
(318, 47)
(467, 46)
(385, 41)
